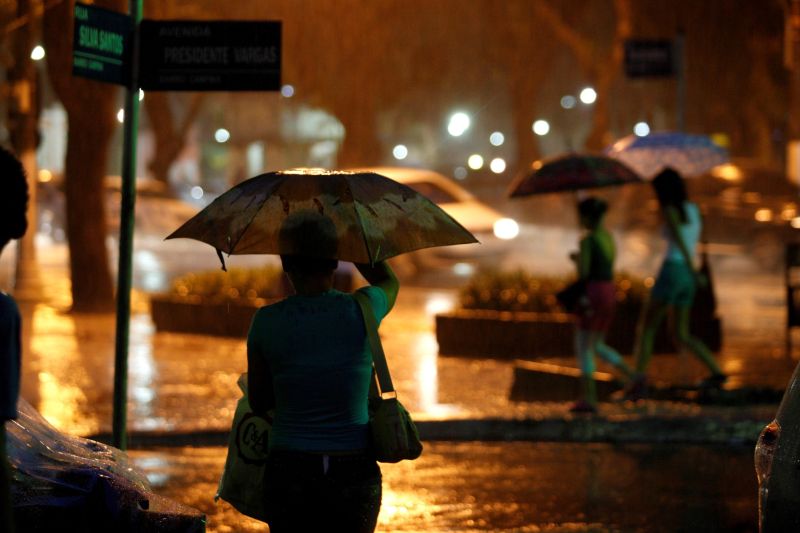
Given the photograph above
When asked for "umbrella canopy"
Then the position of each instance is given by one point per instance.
(572, 172)
(351, 216)
(690, 155)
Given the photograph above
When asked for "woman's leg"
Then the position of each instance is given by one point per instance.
(353, 494)
(654, 313)
(609, 354)
(585, 355)
(693, 344)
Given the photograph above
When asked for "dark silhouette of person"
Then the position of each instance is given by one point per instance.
(13, 224)
(309, 359)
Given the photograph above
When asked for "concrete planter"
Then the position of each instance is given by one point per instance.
(194, 315)
(503, 334)
(224, 318)
(519, 335)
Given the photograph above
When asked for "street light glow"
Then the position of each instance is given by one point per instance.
(475, 162)
(498, 165)
(460, 173)
(37, 54)
(588, 95)
(400, 152)
(45, 175)
(764, 215)
(222, 135)
(641, 129)
(541, 127)
(497, 138)
(459, 123)
(197, 192)
(506, 228)
(568, 101)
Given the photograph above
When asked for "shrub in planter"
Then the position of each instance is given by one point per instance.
(518, 290)
(216, 302)
(223, 303)
(516, 314)
(235, 285)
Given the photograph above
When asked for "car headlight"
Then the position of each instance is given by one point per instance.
(506, 228)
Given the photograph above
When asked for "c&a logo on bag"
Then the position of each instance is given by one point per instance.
(252, 437)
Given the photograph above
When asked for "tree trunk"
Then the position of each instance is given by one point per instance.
(23, 115)
(170, 137)
(91, 108)
(605, 76)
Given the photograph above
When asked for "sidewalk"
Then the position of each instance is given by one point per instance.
(183, 390)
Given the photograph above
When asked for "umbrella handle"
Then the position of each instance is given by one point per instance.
(221, 259)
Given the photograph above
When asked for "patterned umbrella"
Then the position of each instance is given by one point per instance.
(352, 216)
(572, 172)
(690, 155)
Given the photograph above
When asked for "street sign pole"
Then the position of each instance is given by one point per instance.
(125, 266)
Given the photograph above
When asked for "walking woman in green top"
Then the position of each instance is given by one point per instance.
(595, 265)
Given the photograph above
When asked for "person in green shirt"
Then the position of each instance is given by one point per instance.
(595, 267)
(13, 224)
(308, 358)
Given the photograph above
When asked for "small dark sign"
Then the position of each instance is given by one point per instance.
(648, 59)
(101, 44)
(182, 55)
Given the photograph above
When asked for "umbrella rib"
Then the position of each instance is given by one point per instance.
(360, 224)
(247, 227)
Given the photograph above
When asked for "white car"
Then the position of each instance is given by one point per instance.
(490, 227)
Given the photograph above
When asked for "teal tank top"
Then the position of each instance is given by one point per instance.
(321, 364)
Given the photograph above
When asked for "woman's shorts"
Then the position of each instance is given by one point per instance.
(675, 284)
(598, 314)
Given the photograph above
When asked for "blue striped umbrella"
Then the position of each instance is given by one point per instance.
(690, 155)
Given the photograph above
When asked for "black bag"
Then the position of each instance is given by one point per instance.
(570, 296)
(394, 435)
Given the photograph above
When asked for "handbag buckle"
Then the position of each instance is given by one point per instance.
(389, 395)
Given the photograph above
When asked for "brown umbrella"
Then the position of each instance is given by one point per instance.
(352, 216)
(572, 172)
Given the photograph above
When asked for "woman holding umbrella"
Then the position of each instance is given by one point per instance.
(309, 355)
(595, 265)
(675, 284)
(309, 359)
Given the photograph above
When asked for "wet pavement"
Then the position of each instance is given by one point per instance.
(184, 386)
(518, 487)
(187, 383)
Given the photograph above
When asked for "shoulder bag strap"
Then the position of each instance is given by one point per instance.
(378, 357)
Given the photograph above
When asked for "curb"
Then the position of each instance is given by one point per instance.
(652, 430)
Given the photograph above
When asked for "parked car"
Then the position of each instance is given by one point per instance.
(158, 212)
(492, 229)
